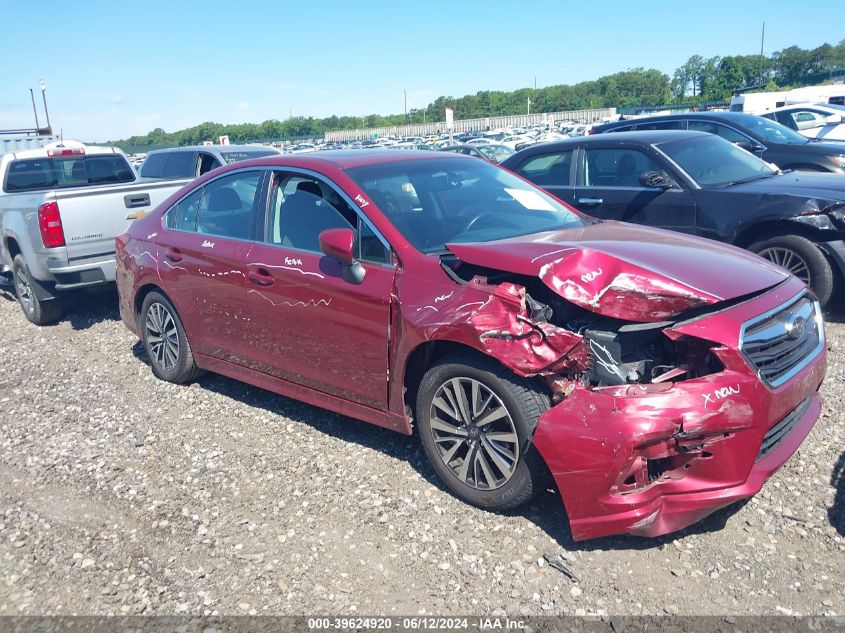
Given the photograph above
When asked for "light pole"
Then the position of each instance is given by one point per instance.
(44, 98)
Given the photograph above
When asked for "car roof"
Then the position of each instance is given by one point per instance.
(721, 115)
(645, 137)
(350, 158)
(211, 148)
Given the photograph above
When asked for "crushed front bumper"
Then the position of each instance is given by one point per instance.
(627, 460)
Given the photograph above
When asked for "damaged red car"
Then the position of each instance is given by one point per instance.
(656, 377)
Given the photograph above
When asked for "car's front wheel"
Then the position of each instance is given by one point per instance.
(165, 340)
(476, 420)
(802, 258)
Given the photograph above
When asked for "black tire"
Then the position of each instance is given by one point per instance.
(524, 403)
(801, 255)
(170, 356)
(38, 310)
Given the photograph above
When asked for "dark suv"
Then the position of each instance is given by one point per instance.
(771, 141)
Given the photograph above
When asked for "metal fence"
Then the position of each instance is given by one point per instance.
(475, 125)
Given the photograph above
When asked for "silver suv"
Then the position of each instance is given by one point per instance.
(190, 162)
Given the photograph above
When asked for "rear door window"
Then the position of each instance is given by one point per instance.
(226, 207)
(548, 169)
(727, 133)
(183, 216)
(153, 166)
(181, 165)
(662, 125)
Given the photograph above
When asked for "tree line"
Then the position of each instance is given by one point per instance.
(698, 80)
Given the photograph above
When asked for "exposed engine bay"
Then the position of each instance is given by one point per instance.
(605, 351)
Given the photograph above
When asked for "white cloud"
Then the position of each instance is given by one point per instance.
(116, 100)
(244, 105)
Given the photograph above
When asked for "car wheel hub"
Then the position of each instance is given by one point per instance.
(24, 289)
(789, 259)
(474, 433)
(162, 336)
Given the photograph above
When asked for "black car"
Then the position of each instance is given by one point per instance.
(770, 140)
(701, 184)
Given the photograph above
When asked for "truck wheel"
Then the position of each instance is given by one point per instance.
(802, 258)
(476, 420)
(40, 311)
(165, 341)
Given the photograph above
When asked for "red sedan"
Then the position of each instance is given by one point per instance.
(656, 377)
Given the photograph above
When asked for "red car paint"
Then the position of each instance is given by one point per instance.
(285, 320)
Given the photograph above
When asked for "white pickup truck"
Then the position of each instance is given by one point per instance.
(61, 208)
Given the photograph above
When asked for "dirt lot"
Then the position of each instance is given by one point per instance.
(123, 494)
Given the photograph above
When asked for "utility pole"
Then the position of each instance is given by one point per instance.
(34, 110)
(528, 110)
(762, 41)
(44, 97)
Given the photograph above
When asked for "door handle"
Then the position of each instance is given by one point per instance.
(173, 254)
(260, 277)
(590, 202)
(137, 200)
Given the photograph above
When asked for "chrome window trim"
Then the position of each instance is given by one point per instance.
(807, 359)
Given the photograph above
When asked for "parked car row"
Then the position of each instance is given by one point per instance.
(443, 295)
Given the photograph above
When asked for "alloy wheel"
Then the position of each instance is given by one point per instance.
(162, 336)
(474, 433)
(789, 259)
(24, 289)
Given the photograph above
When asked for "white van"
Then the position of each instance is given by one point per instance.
(757, 102)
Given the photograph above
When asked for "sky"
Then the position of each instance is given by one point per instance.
(113, 69)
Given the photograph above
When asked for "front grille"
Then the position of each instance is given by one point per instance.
(782, 341)
(780, 430)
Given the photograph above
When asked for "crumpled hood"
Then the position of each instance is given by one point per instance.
(628, 272)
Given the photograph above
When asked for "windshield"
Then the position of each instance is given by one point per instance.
(433, 202)
(714, 162)
(771, 131)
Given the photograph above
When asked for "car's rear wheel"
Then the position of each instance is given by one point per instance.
(476, 420)
(165, 341)
(38, 308)
(802, 258)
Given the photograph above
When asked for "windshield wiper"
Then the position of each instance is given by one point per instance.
(748, 179)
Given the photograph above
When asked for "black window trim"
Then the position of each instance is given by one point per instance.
(260, 200)
(355, 209)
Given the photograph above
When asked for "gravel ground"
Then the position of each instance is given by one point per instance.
(122, 494)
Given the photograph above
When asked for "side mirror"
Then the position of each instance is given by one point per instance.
(749, 146)
(659, 179)
(339, 244)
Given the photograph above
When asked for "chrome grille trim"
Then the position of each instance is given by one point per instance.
(766, 343)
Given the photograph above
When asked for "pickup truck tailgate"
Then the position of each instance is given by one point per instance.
(93, 217)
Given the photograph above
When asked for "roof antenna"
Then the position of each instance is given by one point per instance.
(34, 111)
